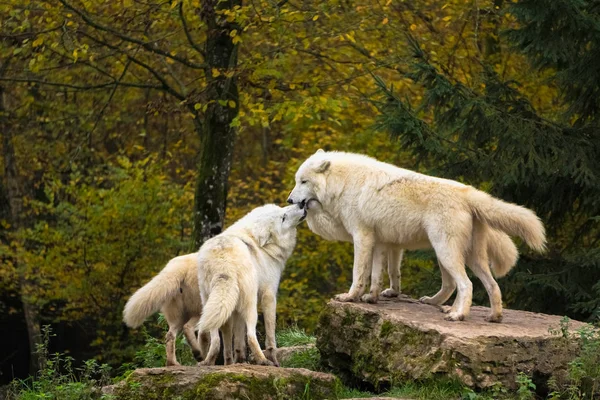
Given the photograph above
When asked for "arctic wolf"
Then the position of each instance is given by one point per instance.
(329, 228)
(175, 292)
(240, 267)
(502, 254)
(380, 203)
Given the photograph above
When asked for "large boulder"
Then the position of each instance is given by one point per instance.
(240, 381)
(402, 340)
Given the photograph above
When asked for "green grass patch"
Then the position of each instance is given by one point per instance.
(59, 379)
(441, 389)
(294, 336)
(309, 359)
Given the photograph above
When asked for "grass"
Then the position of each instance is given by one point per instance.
(429, 390)
(59, 379)
(309, 358)
(294, 336)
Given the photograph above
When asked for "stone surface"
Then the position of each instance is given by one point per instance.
(239, 381)
(402, 340)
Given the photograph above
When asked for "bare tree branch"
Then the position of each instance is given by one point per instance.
(82, 87)
(148, 46)
(165, 85)
(110, 97)
(187, 32)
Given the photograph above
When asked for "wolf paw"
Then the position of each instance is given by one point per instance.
(446, 309)
(239, 356)
(270, 354)
(454, 316)
(266, 362)
(390, 293)
(206, 363)
(345, 297)
(369, 298)
(197, 355)
(494, 318)
(427, 300)
(173, 364)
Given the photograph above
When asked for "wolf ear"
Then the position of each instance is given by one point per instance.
(320, 151)
(323, 167)
(261, 234)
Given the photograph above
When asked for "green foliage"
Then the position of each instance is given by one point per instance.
(114, 228)
(525, 387)
(430, 390)
(563, 37)
(439, 389)
(293, 336)
(488, 129)
(583, 374)
(153, 353)
(309, 359)
(59, 379)
(106, 109)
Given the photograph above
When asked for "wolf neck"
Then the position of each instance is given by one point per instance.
(275, 250)
(278, 253)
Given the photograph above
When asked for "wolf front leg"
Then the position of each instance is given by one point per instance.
(269, 305)
(380, 257)
(395, 254)
(363, 263)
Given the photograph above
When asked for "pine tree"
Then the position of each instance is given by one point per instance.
(493, 137)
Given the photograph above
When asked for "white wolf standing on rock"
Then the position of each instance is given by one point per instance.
(378, 203)
(240, 267)
(501, 251)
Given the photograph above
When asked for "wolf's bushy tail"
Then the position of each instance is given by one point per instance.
(149, 298)
(510, 218)
(220, 304)
(502, 252)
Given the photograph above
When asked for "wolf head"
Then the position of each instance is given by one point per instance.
(271, 223)
(311, 181)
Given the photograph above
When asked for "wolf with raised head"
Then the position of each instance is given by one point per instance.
(381, 203)
(241, 267)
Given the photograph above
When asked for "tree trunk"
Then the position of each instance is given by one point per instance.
(15, 194)
(216, 133)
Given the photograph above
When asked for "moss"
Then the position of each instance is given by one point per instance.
(386, 328)
(157, 387)
(349, 317)
(324, 318)
(252, 388)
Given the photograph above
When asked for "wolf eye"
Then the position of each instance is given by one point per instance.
(303, 181)
(283, 219)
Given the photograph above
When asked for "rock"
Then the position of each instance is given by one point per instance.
(239, 381)
(401, 340)
(285, 353)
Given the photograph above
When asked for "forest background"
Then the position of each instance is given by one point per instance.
(132, 130)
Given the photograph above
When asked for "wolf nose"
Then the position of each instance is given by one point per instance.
(290, 201)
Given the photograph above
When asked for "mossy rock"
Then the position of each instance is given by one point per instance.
(403, 340)
(240, 381)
